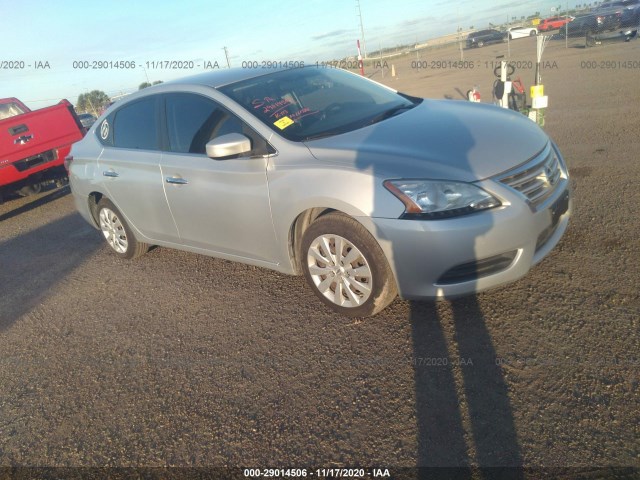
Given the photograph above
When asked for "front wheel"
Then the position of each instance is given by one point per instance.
(345, 266)
(533, 33)
(480, 44)
(117, 233)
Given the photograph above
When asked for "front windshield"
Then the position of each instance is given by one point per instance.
(308, 103)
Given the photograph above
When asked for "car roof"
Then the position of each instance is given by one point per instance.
(220, 78)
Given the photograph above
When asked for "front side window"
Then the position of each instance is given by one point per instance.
(135, 125)
(194, 120)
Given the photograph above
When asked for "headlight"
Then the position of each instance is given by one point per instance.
(436, 199)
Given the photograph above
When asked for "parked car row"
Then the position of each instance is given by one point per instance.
(491, 35)
(606, 17)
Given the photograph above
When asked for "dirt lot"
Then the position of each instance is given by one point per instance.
(179, 359)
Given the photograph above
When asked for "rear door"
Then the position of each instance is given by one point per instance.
(129, 167)
(220, 206)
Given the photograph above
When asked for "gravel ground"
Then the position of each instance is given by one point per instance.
(176, 359)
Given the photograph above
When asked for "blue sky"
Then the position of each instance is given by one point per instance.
(197, 30)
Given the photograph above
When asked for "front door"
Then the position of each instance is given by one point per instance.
(219, 205)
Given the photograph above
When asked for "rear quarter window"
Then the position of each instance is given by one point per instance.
(8, 110)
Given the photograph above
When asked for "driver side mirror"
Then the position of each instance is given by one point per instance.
(228, 145)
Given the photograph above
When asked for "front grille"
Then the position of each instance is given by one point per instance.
(537, 179)
(31, 162)
(466, 272)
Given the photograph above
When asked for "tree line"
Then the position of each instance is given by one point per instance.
(96, 101)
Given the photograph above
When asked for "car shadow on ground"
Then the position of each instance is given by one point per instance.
(38, 202)
(34, 263)
(442, 437)
(463, 413)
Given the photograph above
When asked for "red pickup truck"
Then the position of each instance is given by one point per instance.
(33, 144)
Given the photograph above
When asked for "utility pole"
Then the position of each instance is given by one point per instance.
(226, 54)
(364, 44)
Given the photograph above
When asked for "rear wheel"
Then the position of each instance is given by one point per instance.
(533, 33)
(30, 190)
(345, 266)
(117, 233)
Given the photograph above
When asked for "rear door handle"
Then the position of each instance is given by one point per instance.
(176, 180)
(110, 173)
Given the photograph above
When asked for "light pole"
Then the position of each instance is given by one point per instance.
(364, 44)
(226, 54)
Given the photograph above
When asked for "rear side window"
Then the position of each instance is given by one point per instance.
(194, 120)
(8, 110)
(135, 125)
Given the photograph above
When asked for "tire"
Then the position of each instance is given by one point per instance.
(480, 44)
(358, 284)
(533, 33)
(62, 182)
(588, 38)
(30, 190)
(117, 233)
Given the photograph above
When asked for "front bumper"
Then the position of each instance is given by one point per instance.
(469, 254)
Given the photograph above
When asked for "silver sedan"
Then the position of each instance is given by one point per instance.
(365, 191)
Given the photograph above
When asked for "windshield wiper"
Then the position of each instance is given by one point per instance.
(328, 133)
(389, 113)
(378, 118)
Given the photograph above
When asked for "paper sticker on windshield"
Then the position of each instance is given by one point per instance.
(283, 123)
(104, 130)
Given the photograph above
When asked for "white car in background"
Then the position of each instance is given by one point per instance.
(521, 32)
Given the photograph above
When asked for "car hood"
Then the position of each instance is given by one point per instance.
(438, 139)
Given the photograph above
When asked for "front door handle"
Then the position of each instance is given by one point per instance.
(176, 180)
(110, 173)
